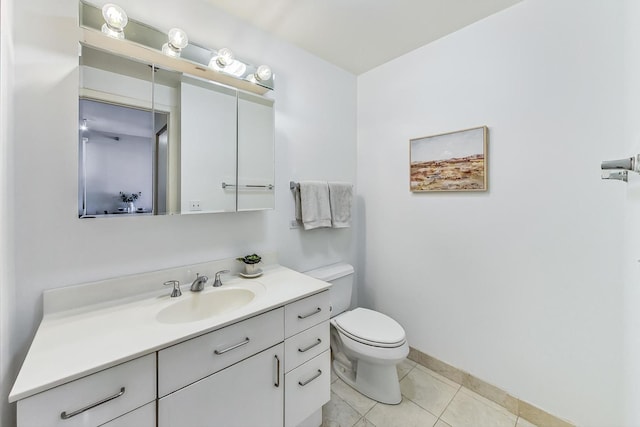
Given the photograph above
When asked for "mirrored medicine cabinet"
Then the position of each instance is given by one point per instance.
(156, 140)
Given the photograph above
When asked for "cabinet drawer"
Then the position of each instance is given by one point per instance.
(94, 399)
(141, 417)
(306, 389)
(306, 345)
(305, 313)
(194, 359)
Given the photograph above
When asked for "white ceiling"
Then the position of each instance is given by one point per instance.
(358, 35)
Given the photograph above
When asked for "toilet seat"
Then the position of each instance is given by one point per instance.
(370, 328)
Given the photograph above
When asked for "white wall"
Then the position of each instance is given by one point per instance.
(8, 362)
(315, 139)
(632, 211)
(521, 286)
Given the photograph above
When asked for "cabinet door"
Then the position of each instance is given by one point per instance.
(249, 393)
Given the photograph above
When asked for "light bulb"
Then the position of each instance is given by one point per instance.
(178, 38)
(263, 73)
(115, 20)
(83, 126)
(225, 57)
(177, 41)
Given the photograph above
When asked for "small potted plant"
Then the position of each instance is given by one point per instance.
(129, 199)
(250, 263)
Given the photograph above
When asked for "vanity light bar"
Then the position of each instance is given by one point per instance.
(229, 70)
(138, 52)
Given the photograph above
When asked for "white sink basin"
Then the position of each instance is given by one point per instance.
(200, 306)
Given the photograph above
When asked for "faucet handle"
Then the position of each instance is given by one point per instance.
(176, 287)
(217, 282)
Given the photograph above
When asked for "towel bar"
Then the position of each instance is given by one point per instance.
(268, 186)
(293, 184)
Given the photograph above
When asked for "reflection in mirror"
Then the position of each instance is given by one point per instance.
(129, 125)
(117, 157)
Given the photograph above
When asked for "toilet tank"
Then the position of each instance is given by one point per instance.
(341, 277)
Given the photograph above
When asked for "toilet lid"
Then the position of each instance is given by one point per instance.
(371, 327)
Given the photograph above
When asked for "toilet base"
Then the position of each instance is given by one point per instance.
(377, 382)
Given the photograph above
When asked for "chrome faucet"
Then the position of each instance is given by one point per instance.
(217, 282)
(199, 283)
(176, 288)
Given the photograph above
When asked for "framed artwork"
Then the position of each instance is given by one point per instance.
(454, 161)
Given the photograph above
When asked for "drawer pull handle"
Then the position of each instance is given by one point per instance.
(304, 316)
(277, 383)
(240, 344)
(304, 383)
(66, 416)
(302, 350)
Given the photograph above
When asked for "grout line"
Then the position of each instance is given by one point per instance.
(449, 404)
(350, 406)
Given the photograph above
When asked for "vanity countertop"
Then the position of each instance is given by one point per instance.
(74, 343)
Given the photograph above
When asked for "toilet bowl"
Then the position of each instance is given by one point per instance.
(366, 345)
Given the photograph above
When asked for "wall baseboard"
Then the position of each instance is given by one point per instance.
(510, 403)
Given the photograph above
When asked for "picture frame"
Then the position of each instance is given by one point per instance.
(452, 161)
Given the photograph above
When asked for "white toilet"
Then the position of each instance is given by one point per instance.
(366, 345)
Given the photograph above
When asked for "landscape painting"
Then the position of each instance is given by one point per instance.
(454, 161)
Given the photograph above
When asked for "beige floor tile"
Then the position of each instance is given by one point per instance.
(406, 414)
(405, 367)
(468, 409)
(356, 400)
(441, 423)
(524, 423)
(364, 423)
(337, 413)
(427, 391)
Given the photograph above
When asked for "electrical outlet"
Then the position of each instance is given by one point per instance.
(195, 205)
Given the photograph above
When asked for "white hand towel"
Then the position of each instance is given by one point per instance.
(314, 203)
(340, 199)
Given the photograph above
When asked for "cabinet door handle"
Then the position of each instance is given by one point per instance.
(277, 383)
(304, 316)
(304, 383)
(309, 347)
(240, 344)
(66, 416)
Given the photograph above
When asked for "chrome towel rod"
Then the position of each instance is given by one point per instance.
(268, 186)
(293, 184)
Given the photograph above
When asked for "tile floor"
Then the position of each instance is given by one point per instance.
(428, 400)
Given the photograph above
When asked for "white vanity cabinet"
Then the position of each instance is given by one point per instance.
(267, 366)
(95, 399)
(307, 359)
